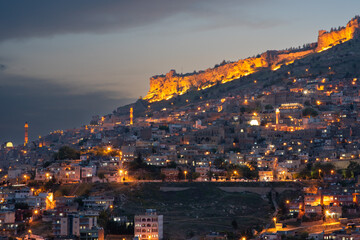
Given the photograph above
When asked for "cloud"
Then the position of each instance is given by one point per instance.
(47, 106)
(2, 67)
(21, 19)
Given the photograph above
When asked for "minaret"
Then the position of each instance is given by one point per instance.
(26, 139)
(277, 111)
(131, 116)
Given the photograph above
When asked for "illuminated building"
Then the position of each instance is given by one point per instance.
(277, 115)
(266, 176)
(291, 106)
(149, 225)
(79, 225)
(98, 202)
(9, 145)
(254, 122)
(128, 153)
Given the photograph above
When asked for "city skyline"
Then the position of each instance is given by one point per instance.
(57, 73)
(186, 119)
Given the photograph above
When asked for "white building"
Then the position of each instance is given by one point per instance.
(43, 201)
(73, 224)
(69, 174)
(7, 217)
(14, 173)
(149, 225)
(128, 153)
(98, 203)
(88, 172)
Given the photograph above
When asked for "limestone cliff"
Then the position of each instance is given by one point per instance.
(163, 87)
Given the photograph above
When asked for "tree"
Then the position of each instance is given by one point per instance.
(103, 218)
(66, 152)
(172, 164)
(163, 177)
(118, 228)
(219, 163)
(79, 201)
(46, 164)
(195, 175)
(21, 205)
(163, 127)
(234, 224)
(137, 163)
(321, 168)
(304, 174)
(269, 107)
(101, 175)
(352, 170)
(307, 112)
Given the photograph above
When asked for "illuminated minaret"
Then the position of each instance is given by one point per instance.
(277, 111)
(26, 139)
(131, 116)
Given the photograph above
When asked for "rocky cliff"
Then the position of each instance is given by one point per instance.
(163, 87)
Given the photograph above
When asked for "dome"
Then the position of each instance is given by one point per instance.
(9, 145)
(254, 122)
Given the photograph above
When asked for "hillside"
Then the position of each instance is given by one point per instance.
(194, 209)
(343, 60)
(172, 84)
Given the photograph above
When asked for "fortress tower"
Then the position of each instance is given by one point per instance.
(277, 112)
(131, 116)
(26, 139)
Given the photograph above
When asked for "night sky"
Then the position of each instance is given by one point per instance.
(62, 62)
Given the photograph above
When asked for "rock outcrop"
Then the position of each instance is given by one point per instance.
(164, 87)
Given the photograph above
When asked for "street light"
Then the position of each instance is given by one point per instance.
(235, 173)
(120, 174)
(332, 172)
(185, 172)
(319, 173)
(125, 175)
(274, 219)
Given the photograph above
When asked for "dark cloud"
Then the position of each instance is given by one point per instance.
(39, 18)
(47, 106)
(2, 67)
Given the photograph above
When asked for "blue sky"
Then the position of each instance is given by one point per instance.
(63, 61)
